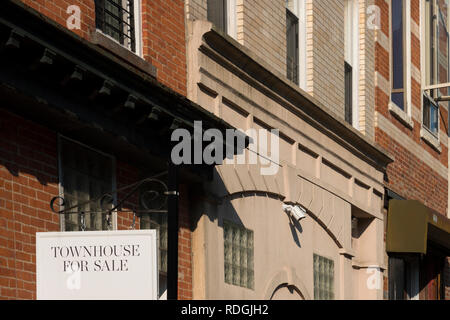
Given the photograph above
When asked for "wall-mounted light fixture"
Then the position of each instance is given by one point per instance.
(297, 212)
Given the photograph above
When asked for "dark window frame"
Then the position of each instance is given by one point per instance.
(124, 32)
(430, 120)
(396, 91)
(67, 221)
(348, 93)
(434, 20)
(217, 13)
(292, 49)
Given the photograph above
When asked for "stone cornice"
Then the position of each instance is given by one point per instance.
(240, 60)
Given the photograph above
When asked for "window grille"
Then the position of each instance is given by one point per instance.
(116, 19)
(86, 175)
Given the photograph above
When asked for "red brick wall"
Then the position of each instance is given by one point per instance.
(164, 41)
(57, 11)
(184, 247)
(163, 33)
(409, 175)
(126, 175)
(28, 180)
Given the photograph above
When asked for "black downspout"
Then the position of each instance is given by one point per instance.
(172, 245)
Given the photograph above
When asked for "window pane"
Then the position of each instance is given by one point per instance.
(397, 44)
(442, 42)
(348, 93)
(433, 119)
(430, 42)
(238, 255)
(292, 46)
(426, 112)
(323, 278)
(217, 13)
(430, 115)
(83, 181)
(116, 19)
(399, 99)
(158, 221)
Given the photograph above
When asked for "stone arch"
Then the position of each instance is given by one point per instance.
(285, 278)
(327, 230)
(293, 290)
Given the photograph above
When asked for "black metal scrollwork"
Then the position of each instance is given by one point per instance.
(152, 199)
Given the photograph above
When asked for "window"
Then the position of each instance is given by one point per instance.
(158, 221)
(351, 56)
(323, 278)
(436, 60)
(119, 19)
(222, 13)
(296, 42)
(238, 255)
(430, 114)
(217, 13)
(348, 93)
(85, 175)
(398, 53)
(292, 46)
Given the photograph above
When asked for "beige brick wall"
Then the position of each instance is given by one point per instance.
(367, 71)
(325, 53)
(262, 29)
(196, 9)
(260, 24)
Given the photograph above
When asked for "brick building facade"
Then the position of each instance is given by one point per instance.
(29, 180)
(345, 52)
(30, 153)
(420, 169)
(163, 33)
(357, 128)
(296, 88)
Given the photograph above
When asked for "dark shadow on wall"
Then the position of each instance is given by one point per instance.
(295, 227)
(293, 291)
(206, 203)
(27, 148)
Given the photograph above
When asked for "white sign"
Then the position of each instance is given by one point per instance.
(99, 265)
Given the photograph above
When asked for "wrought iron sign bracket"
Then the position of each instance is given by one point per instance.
(153, 193)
